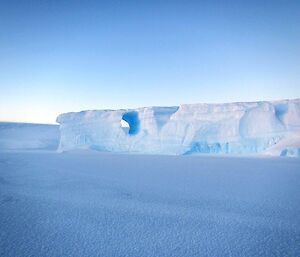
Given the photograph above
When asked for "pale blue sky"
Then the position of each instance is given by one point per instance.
(61, 56)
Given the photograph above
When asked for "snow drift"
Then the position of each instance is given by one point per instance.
(232, 128)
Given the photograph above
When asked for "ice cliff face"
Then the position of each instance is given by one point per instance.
(233, 128)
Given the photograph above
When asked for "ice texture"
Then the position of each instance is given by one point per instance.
(291, 152)
(231, 128)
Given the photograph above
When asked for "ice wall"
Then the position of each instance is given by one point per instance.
(232, 128)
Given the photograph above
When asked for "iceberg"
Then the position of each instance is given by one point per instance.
(230, 128)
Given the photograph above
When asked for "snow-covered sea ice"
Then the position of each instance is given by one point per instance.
(97, 204)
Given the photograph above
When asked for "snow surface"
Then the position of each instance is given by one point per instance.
(97, 204)
(28, 136)
(233, 128)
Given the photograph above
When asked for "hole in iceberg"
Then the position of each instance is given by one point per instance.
(130, 122)
(124, 124)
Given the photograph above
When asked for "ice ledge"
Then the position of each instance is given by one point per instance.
(231, 128)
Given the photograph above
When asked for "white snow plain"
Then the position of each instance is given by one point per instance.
(97, 204)
(28, 136)
(232, 128)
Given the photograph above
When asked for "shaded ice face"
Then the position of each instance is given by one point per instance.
(131, 121)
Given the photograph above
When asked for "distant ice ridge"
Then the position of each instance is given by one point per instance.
(28, 136)
(233, 128)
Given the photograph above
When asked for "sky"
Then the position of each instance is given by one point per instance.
(62, 56)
